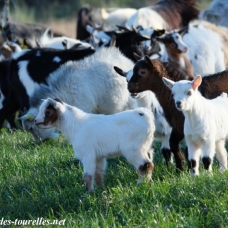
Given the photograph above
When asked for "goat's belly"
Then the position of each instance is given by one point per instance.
(196, 139)
(113, 154)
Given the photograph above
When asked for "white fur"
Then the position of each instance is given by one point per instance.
(163, 130)
(19, 54)
(118, 17)
(56, 42)
(97, 36)
(90, 84)
(25, 79)
(95, 137)
(206, 122)
(15, 45)
(56, 59)
(146, 32)
(179, 42)
(147, 18)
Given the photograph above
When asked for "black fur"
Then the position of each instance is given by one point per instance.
(206, 162)
(39, 68)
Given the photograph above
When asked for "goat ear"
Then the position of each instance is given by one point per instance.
(38, 44)
(54, 102)
(122, 28)
(113, 41)
(196, 82)
(66, 44)
(120, 72)
(183, 31)
(89, 29)
(169, 83)
(158, 32)
(137, 57)
(58, 100)
(161, 39)
(139, 38)
(147, 59)
(75, 46)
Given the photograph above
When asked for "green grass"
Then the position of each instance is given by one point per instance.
(46, 181)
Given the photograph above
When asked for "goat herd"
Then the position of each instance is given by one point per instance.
(160, 73)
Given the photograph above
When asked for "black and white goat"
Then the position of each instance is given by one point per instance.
(28, 69)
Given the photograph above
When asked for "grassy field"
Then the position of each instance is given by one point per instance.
(46, 182)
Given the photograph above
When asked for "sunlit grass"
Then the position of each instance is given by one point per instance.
(46, 181)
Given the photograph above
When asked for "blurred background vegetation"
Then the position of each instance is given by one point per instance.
(43, 10)
(56, 13)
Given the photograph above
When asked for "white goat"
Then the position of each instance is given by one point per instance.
(206, 123)
(95, 137)
(162, 128)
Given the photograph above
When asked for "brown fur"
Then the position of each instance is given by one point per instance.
(147, 75)
(188, 70)
(51, 115)
(57, 99)
(99, 179)
(88, 179)
(177, 13)
(175, 56)
(7, 53)
(146, 169)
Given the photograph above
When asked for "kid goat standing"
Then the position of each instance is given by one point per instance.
(205, 125)
(128, 133)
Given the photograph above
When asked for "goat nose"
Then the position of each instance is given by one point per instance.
(35, 120)
(178, 104)
(185, 49)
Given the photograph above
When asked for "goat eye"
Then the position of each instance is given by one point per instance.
(142, 71)
(47, 113)
(189, 93)
(173, 45)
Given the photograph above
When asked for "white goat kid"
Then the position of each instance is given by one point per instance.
(206, 123)
(162, 128)
(128, 133)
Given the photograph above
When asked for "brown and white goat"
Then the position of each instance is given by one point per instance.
(176, 49)
(147, 75)
(128, 133)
